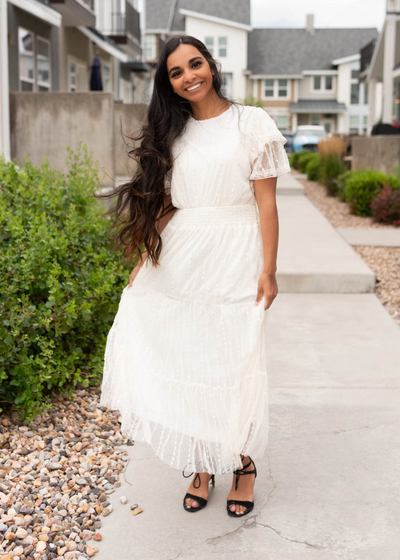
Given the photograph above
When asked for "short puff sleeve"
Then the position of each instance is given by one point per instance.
(267, 152)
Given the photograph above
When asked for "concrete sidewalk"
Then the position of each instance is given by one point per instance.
(374, 237)
(328, 488)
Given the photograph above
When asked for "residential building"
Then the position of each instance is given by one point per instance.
(222, 26)
(50, 45)
(310, 76)
(381, 69)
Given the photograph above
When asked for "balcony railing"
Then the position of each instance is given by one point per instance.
(124, 23)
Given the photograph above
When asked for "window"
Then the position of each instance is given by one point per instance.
(355, 94)
(26, 60)
(282, 88)
(43, 64)
(354, 123)
(276, 89)
(150, 46)
(366, 96)
(328, 83)
(322, 83)
(269, 88)
(34, 61)
(282, 122)
(355, 74)
(209, 43)
(227, 84)
(77, 75)
(106, 78)
(315, 120)
(365, 124)
(222, 46)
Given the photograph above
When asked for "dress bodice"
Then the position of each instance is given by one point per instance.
(217, 159)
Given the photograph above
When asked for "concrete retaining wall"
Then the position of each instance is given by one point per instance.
(127, 121)
(44, 124)
(381, 153)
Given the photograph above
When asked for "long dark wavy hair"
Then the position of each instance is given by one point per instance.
(140, 202)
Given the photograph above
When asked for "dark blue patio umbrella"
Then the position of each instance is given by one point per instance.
(95, 77)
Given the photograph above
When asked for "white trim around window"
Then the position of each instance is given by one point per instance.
(275, 88)
(44, 61)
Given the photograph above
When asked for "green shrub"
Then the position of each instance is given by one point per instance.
(331, 168)
(60, 283)
(363, 186)
(294, 160)
(304, 158)
(341, 185)
(313, 168)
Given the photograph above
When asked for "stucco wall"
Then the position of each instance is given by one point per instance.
(44, 124)
(376, 152)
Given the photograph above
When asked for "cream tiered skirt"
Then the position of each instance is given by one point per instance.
(185, 361)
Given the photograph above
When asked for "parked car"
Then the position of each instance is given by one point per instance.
(289, 144)
(307, 138)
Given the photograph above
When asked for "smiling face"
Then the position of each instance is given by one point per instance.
(189, 73)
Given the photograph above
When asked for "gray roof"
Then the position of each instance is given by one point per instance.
(290, 51)
(317, 106)
(158, 12)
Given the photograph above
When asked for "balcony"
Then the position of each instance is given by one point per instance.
(76, 12)
(122, 26)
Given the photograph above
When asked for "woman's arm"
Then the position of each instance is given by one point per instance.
(265, 193)
(160, 225)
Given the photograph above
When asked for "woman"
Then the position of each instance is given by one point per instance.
(185, 360)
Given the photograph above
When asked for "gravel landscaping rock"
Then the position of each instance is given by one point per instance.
(55, 475)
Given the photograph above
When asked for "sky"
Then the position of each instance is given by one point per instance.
(328, 13)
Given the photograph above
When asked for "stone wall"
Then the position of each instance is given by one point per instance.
(381, 153)
(44, 124)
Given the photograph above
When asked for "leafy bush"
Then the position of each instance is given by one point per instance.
(341, 185)
(313, 168)
(386, 206)
(363, 186)
(60, 283)
(294, 160)
(331, 168)
(304, 158)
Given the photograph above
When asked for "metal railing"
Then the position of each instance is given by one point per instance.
(124, 23)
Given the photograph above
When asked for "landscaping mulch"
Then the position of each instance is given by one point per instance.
(384, 261)
(56, 474)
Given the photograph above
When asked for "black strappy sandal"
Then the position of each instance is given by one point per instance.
(201, 501)
(248, 505)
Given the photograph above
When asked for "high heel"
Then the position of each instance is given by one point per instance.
(248, 505)
(201, 501)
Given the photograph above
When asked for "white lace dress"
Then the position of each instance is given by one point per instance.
(185, 362)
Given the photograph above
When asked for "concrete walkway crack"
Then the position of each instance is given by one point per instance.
(310, 545)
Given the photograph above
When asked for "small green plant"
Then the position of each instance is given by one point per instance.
(313, 168)
(331, 168)
(341, 185)
(251, 100)
(294, 160)
(304, 158)
(60, 283)
(363, 186)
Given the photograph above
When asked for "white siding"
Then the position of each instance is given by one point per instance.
(235, 61)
